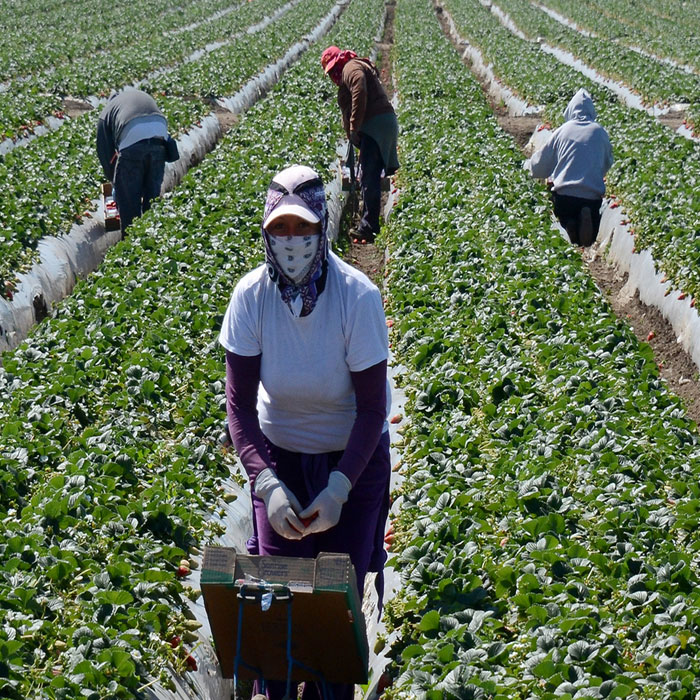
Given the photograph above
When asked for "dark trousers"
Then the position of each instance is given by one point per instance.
(359, 533)
(138, 177)
(567, 210)
(371, 166)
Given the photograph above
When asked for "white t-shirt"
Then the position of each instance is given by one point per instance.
(306, 402)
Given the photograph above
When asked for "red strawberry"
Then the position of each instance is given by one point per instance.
(396, 419)
(651, 335)
(383, 683)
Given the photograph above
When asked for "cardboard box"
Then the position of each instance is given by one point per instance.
(109, 208)
(328, 628)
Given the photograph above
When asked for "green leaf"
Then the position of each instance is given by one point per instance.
(430, 621)
(115, 597)
(412, 651)
(446, 654)
(545, 669)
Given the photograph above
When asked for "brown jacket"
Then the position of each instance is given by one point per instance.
(360, 94)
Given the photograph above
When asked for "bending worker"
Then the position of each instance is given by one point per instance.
(132, 134)
(576, 157)
(306, 390)
(370, 124)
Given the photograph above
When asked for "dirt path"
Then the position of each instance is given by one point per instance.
(677, 367)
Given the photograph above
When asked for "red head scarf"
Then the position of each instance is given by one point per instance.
(333, 61)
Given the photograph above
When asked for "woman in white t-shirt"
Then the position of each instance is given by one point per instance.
(307, 396)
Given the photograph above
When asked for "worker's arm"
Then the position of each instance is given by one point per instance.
(242, 380)
(106, 149)
(543, 162)
(282, 506)
(370, 400)
(608, 160)
(345, 112)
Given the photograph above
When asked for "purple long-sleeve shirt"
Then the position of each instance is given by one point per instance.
(242, 380)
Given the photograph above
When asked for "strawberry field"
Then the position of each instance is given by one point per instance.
(546, 521)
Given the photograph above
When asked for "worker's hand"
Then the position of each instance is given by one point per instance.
(325, 508)
(355, 138)
(282, 505)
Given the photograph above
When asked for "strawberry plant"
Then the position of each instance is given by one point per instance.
(663, 28)
(657, 82)
(545, 537)
(110, 415)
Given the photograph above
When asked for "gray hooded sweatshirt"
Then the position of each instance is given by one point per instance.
(578, 154)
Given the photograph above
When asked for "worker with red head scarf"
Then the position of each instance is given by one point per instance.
(370, 124)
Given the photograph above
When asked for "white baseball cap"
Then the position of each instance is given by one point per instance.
(289, 181)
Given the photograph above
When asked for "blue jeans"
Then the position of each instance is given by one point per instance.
(138, 177)
(371, 165)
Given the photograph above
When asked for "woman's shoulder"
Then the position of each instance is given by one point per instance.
(253, 277)
(252, 283)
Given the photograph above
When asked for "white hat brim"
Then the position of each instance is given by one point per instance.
(296, 209)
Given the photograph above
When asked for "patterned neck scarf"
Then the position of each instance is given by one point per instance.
(300, 297)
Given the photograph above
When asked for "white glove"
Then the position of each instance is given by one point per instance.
(282, 505)
(326, 507)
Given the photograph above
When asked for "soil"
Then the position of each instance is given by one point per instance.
(520, 128)
(367, 258)
(673, 120)
(227, 119)
(649, 325)
(74, 108)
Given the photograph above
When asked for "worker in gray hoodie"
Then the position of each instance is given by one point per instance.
(133, 146)
(576, 157)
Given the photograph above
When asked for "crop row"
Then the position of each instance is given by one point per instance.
(656, 82)
(37, 36)
(90, 75)
(111, 412)
(546, 536)
(663, 31)
(656, 172)
(222, 72)
(47, 185)
(666, 29)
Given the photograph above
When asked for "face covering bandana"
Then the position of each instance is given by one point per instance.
(295, 254)
(301, 181)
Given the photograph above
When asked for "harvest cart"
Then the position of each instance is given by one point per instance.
(285, 619)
